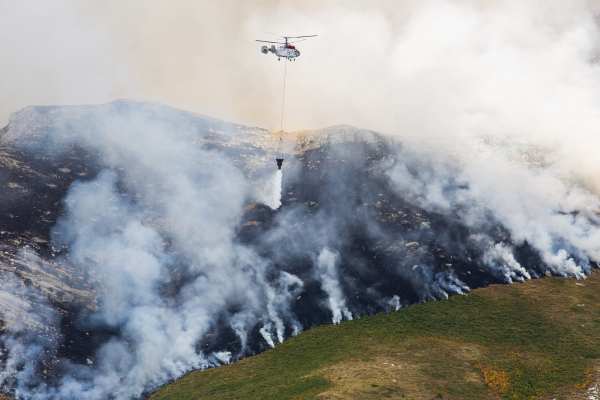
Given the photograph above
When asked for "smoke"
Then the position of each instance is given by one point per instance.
(437, 68)
(153, 238)
(534, 205)
(394, 303)
(327, 274)
(30, 333)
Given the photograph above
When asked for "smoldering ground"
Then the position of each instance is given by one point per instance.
(169, 262)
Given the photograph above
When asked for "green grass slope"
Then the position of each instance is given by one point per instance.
(538, 339)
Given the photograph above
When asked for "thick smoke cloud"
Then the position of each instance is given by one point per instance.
(436, 68)
(534, 205)
(433, 68)
(161, 215)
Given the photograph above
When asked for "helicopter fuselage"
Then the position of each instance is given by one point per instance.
(288, 51)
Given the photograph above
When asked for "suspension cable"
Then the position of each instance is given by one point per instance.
(283, 98)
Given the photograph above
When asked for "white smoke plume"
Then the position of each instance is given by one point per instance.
(536, 206)
(31, 333)
(326, 273)
(118, 243)
(394, 303)
(502, 260)
(264, 331)
(431, 285)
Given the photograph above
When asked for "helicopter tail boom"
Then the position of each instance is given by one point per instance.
(266, 49)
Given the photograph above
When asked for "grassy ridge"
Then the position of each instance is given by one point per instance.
(527, 340)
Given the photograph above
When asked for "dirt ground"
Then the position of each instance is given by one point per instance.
(405, 372)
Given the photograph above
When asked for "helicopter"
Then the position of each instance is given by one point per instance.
(287, 50)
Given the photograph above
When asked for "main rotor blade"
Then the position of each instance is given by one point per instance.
(296, 41)
(265, 41)
(296, 37)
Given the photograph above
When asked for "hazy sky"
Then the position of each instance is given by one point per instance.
(431, 67)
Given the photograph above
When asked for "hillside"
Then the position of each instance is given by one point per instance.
(139, 242)
(537, 339)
